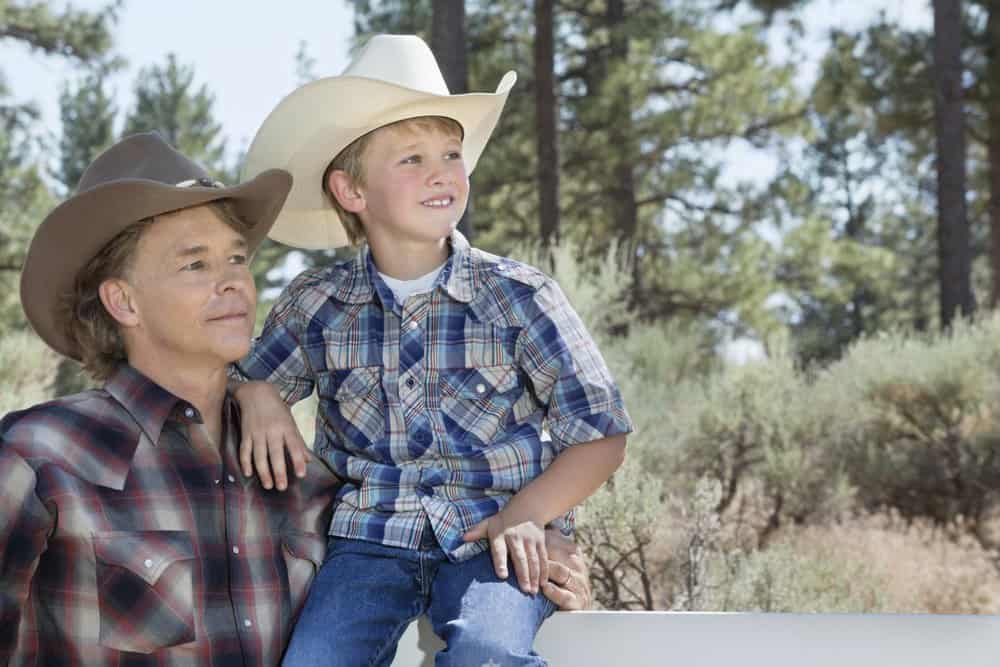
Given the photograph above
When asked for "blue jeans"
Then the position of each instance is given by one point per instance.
(366, 594)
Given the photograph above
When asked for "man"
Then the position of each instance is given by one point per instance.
(128, 534)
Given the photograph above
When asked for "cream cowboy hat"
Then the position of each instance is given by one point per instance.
(394, 77)
(139, 177)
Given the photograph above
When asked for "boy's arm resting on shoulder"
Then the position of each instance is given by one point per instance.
(274, 375)
(25, 525)
(269, 432)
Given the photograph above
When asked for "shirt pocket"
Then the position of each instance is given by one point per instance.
(353, 398)
(475, 403)
(145, 589)
(303, 554)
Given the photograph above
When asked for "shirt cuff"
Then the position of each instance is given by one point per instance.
(589, 426)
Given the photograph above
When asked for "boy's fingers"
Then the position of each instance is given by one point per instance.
(543, 563)
(260, 463)
(298, 452)
(246, 453)
(521, 568)
(533, 568)
(498, 548)
(276, 454)
(561, 597)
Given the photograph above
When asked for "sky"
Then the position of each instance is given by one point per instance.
(245, 52)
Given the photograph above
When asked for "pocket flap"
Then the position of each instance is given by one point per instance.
(145, 553)
(481, 382)
(356, 382)
(307, 546)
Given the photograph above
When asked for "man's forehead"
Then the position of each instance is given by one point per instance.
(198, 227)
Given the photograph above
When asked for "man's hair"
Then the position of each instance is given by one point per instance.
(90, 327)
(351, 161)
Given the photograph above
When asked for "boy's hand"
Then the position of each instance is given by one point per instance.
(523, 541)
(569, 577)
(269, 431)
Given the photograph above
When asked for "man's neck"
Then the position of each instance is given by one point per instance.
(204, 388)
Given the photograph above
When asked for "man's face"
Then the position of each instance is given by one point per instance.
(416, 187)
(191, 291)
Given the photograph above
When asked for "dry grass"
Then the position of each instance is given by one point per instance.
(920, 568)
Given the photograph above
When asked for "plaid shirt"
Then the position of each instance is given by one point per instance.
(433, 411)
(126, 538)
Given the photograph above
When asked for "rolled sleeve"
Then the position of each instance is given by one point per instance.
(568, 373)
(24, 528)
(277, 356)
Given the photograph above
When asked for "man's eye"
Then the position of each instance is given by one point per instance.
(238, 259)
(195, 266)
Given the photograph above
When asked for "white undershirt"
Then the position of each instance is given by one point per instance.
(404, 289)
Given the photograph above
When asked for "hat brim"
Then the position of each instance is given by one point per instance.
(76, 230)
(317, 121)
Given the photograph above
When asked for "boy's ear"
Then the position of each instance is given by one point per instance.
(114, 293)
(346, 191)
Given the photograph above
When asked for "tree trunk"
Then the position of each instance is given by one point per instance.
(545, 123)
(954, 252)
(625, 210)
(993, 137)
(448, 45)
(623, 179)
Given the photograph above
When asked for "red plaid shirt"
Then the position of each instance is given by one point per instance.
(127, 539)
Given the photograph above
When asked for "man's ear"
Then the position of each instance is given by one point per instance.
(117, 300)
(348, 194)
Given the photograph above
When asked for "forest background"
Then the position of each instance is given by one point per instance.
(786, 240)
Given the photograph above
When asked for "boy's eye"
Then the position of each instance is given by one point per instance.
(454, 155)
(413, 159)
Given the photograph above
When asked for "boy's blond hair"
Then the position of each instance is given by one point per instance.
(351, 161)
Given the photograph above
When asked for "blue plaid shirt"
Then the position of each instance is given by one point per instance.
(432, 412)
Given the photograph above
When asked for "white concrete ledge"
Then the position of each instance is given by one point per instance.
(582, 639)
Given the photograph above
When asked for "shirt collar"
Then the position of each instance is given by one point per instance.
(358, 281)
(148, 403)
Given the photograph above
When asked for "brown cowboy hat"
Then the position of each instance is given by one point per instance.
(137, 178)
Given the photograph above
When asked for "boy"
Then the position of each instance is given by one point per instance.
(437, 366)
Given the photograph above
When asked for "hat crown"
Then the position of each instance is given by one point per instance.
(403, 60)
(143, 156)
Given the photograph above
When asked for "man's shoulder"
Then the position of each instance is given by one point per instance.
(43, 429)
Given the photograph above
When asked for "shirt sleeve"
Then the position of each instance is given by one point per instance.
(568, 373)
(25, 525)
(277, 355)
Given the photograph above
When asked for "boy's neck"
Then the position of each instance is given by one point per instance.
(407, 261)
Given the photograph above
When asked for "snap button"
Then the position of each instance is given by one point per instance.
(246, 622)
(480, 388)
(410, 383)
(189, 413)
(148, 562)
(236, 550)
(231, 479)
(413, 325)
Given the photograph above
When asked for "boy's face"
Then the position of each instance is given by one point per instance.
(416, 187)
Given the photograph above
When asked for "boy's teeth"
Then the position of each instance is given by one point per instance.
(438, 202)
